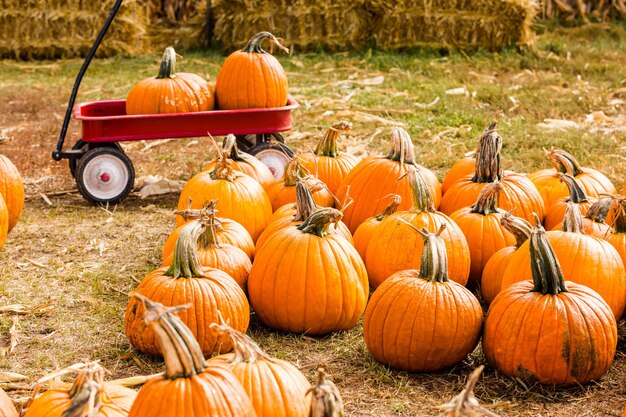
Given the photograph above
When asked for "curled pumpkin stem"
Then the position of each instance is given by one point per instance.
(254, 44)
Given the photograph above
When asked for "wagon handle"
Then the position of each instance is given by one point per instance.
(57, 153)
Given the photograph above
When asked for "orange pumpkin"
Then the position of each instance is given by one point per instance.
(491, 280)
(517, 190)
(7, 409)
(170, 92)
(419, 320)
(283, 191)
(550, 186)
(252, 78)
(12, 190)
(594, 222)
(190, 386)
(244, 162)
(556, 212)
(617, 237)
(394, 248)
(241, 198)
(109, 400)
(4, 221)
(584, 259)
(481, 225)
(328, 164)
(275, 387)
(548, 330)
(365, 231)
(208, 290)
(307, 279)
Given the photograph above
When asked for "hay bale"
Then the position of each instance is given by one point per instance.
(578, 9)
(48, 29)
(492, 24)
(182, 24)
(303, 24)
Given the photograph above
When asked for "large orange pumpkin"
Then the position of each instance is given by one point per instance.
(307, 279)
(241, 198)
(517, 190)
(556, 212)
(547, 330)
(190, 386)
(170, 92)
(419, 320)
(244, 162)
(491, 281)
(550, 186)
(4, 221)
(109, 400)
(481, 225)
(393, 247)
(365, 231)
(585, 260)
(327, 163)
(252, 78)
(7, 409)
(275, 387)
(374, 178)
(595, 220)
(209, 291)
(11, 189)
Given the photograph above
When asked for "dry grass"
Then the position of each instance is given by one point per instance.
(84, 259)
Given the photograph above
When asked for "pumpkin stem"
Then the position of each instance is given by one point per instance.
(168, 64)
(254, 44)
(564, 162)
(546, 270)
(293, 171)
(576, 193)
(229, 146)
(619, 222)
(320, 220)
(305, 204)
(223, 168)
(327, 146)
(488, 161)
(420, 194)
(325, 398)
(487, 202)
(181, 351)
(573, 220)
(465, 403)
(600, 209)
(518, 227)
(434, 261)
(402, 149)
(391, 208)
(245, 349)
(185, 263)
(85, 391)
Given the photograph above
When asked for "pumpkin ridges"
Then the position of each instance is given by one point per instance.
(4, 221)
(12, 190)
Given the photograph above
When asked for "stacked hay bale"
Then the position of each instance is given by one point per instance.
(492, 24)
(44, 29)
(182, 24)
(578, 9)
(304, 24)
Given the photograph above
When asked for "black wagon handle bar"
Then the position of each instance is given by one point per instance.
(57, 153)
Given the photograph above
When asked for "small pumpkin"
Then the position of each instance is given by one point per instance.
(368, 194)
(329, 164)
(7, 409)
(207, 290)
(241, 198)
(283, 191)
(244, 162)
(491, 281)
(252, 78)
(170, 92)
(550, 186)
(548, 330)
(556, 212)
(393, 247)
(365, 231)
(190, 386)
(317, 285)
(109, 400)
(419, 320)
(11, 189)
(325, 399)
(275, 387)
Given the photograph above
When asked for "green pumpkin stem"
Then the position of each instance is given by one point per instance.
(168, 64)
(576, 193)
(391, 208)
(244, 348)
(181, 351)
(599, 210)
(325, 398)
(402, 149)
(619, 222)
(488, 160)
(327, 146)
(185, 263)
(564, 162)
(254, 44)
(573, 220)
(293, 171)
(320, 221)
(305, 204)
(546, 270)
(518, 227)
(487, 202)
(434, 261)
(420, 194)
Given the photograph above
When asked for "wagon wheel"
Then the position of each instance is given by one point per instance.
(86, 147)
(273, 152)
(105, 175)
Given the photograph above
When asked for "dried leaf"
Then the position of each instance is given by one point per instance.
(22, 310)
(9, 341)
(559, 124)
(457, 91)
(150, 185)
(6, 377)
